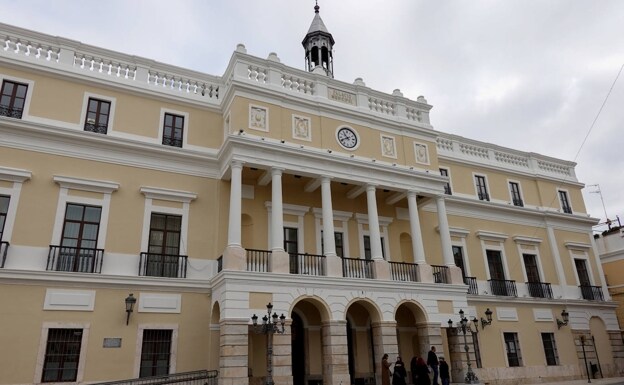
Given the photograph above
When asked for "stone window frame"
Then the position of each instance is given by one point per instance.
(43, 342)
(17, 177)
(85, 107)
(29, 92)
(485, 236)
(161, 125)
(173, 356)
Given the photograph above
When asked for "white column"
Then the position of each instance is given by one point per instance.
(417, 242)
(234, 225)
(329, 242)
(373, 222)
(445, 234)
(277, 214)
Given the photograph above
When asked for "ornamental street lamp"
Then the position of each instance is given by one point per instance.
(269, 327)
(463, 326)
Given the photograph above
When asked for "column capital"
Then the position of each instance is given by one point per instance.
(276, 171)
(326, 178)
(235, 163)
(371, 187)
(412, 193)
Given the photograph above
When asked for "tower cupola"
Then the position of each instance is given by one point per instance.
(318, 44)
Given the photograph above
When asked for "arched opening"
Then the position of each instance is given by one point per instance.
(299, 357)
(314, 57)
(307, 342)
(360, 343)
(407, 253)
(410, 318)
(603, 355)
(325, 57)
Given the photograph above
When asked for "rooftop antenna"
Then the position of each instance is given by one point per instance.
(602, 200)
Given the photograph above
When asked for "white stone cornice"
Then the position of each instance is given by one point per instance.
(341, 216)
(14, 174)
(289, 209)
(491, 236)
(577, 245)
(92, 185)
(456, 232)
(168, 195)
(363, 219)
(526, 240)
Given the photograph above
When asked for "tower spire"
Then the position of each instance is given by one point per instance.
(319, 44)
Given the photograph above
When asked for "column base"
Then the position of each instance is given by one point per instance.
(455, 276)
(425, 273)
(280, 262)
(234, 258)
(334, 266)
(382, 269)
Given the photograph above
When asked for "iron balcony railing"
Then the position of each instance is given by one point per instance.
(97, 128)
(440, 273)
(75, 259)
(4, 247)
(539, 289)
(199, 377)
(11, 112)
(484, 196)
(592, 293)
(308, 264)
(567, 209)
(447, 189)
(518, 202)
(504, 287)
(473, 288)
(403, 271)
(220, 264)
(258, 260)
(172, 142)
(357, 268)
(163, 265)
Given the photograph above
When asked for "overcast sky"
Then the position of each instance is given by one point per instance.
(526, 74)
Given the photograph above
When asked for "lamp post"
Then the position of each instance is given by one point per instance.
(582, 339)
(269, 327)
(462, 326)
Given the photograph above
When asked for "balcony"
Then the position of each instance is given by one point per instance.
(172, 142)
(163, 265)
(11, 112)
(484, 196)
(74, 259)
(592, 293)
(403, 271)
(97, 128)
(503, 287)
(258, 260)
(440, 273)
(539, 290)
(567, 209)
(473, 288)
(357, 268)
(4, 247)
(518, 202)
(307, 264)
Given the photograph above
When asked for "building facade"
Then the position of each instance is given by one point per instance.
(205, 198)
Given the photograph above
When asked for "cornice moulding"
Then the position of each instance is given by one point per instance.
(491, 236)
(14, 174)
(168, 195)
(526, 240)
(92, 185)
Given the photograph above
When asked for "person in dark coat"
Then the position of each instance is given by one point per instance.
(413, 368)
(398, 378)
(432, 360)
(422, 372)
(445, 376)
(385, 370)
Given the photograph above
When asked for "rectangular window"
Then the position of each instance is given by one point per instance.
(163, 254)
(12, 99)
(447, 186)
(495, 264)
(78, 248)
(512, 345)
(458, 255)
(583, 273)
(530, 265)
(4, 209)
(62, 355)
(173, 129)
(565, 203)
(550, 349)
(514, 189)
(155, 352)
(291, 240)
(368, 254)
(98, 112)
(481, 188)
(339, 244)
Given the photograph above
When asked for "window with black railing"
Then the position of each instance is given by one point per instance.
(98, 113)
(12, 99)
(503, 287)
(155, 352)
(473, 288)
(447, 186)
(516, 198)
(482, 192)
(440, 273)
(539, 289)
(4, 209)
(565, 202)
(592, 293)
(75, 259)
(163, 257)
(173, 130)
(62, 355)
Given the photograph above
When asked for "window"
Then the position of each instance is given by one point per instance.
(62, 355)
(481, 188)
(458, 255)
(447, 186)
(512, 345)
(155, 352)
(4, 209)
(550, 349)
(514, 189)
(173, 130)
(291, 236)
(565, 203)
(98, 112)
(78, 248)
(163, 253)
(367, 248)
(495, 264)
(530, 265)
(581, 270)
(338, 239)
(12, 99)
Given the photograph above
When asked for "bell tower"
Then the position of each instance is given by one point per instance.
(318, 44)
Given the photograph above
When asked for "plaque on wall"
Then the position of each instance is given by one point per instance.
(341, 96)
(112, 342)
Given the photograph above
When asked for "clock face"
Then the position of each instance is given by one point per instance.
(347, 137)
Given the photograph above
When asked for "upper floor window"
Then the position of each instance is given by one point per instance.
(516, 198)
(512, 346)
(12, 99)
(291, 240)
(368, 251)
(78, 249)
(339, 243)
(458, 256)
(173, 130)
(98, 113)
(481, 188)
(447, 186)
(62, 355)
(155, 352)
(4, 209)
(565, 202)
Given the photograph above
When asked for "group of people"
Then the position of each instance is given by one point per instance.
(419, 370)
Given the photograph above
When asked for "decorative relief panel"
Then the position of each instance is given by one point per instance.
(301, 128)
(258, 118)
(421, 153)
(388, 146)
(341, 96)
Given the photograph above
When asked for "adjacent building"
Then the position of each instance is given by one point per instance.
(205, 198)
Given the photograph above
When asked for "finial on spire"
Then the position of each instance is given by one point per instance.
(316, 7)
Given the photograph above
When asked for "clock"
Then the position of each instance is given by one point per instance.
(347, 138)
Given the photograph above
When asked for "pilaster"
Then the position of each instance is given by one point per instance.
(425, 273)
(280, 262)
(382, 269)
(234, 258)
(282, 356)
(334, 266)
(234, 349)
(335, 353)
(384, 342)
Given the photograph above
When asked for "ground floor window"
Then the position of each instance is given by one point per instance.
(512, 345)
(550, 349)
(155, 352)
(62, 355)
